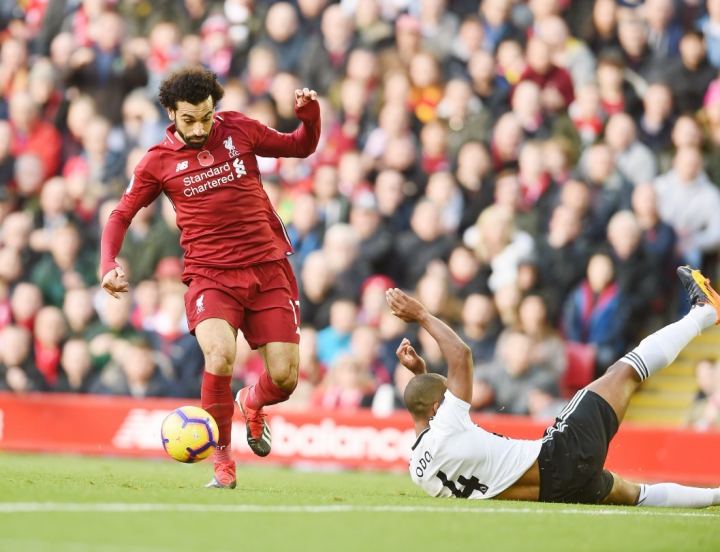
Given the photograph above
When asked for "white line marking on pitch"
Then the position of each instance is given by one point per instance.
(30, 507)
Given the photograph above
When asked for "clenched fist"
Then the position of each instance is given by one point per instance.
(304, 96)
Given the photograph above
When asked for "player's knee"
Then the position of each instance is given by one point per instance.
(219, 360)
(619, 369)
(285, 377)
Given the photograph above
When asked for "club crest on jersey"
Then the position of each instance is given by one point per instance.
(181, 166)
(199, 304)
(232, 152)
(205, 158)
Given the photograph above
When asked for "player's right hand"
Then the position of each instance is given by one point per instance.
(114, 282)
(404, 307)
(409, 358)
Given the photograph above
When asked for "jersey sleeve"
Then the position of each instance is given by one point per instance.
(453, 416)
(269, 142)
(143, 189)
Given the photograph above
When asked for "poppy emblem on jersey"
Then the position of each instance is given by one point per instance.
(205, 158)
(181, 166)
(232, 152)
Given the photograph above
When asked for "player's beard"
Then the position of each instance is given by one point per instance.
(193, 143)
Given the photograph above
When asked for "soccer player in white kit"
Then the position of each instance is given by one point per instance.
(452, 456)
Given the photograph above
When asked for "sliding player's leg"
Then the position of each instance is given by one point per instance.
(660, 349)
(595, 413)
(653, 354)
(271, 325)
(660, 495)
(217, 341)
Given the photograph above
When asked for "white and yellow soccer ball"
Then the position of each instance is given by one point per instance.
(189, 434)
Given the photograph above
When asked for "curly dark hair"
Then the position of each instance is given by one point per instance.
(192, 85)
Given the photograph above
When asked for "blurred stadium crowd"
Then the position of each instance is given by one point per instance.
(532, 171)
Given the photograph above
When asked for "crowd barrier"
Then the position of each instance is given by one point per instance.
(119, 426)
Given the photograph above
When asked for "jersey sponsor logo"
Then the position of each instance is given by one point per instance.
(205, 158)
(199, 304)
(130, 185)
(222, 170)
(228, 143)
(239, 167)
(211, 178)
(181, 166)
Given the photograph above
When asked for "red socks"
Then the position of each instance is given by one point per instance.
(217, 399)
(265, 393)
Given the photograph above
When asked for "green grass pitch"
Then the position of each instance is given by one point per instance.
(72, 504)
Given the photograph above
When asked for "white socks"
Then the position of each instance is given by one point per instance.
(671, 495)
(653, 354)
(658, 350)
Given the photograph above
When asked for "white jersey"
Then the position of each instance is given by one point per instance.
(455, 457)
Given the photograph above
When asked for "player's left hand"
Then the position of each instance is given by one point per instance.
(304, 96)
(409, 358)
(404, 307)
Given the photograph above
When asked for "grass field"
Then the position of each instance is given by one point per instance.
(66, 504)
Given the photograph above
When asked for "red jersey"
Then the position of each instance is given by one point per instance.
(224, 215)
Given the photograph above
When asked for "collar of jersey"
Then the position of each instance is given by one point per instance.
(419, 437)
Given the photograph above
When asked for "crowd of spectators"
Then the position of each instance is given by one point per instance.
(704, 413)
(532, 171)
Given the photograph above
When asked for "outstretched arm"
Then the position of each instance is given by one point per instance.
(141, 192)
(302, 142)
(456, 353)
(113, 276)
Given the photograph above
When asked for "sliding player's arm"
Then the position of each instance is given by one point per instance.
(456, 353)
(141, 192)
(409, 358)
(302, 142)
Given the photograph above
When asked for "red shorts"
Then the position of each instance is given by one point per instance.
(261, 300)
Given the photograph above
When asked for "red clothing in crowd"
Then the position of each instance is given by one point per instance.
(556, 77)
(44, 141)
(225, 217)
(47, 362)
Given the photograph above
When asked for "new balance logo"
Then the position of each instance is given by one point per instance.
(232, 152)
(199, 304)
(181, 166)
(239, 168)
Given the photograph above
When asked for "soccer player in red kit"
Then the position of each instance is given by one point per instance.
(236, 246)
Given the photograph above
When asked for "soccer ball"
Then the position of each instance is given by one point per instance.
(189, 434)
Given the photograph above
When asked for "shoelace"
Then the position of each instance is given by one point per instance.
(257, 418)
